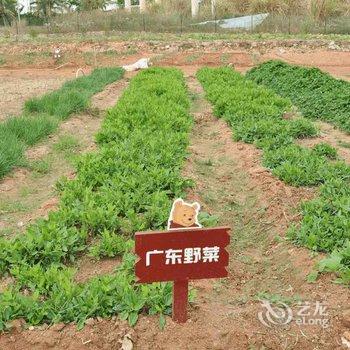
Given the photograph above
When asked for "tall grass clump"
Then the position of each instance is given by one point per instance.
(11, 151)
(30, 129)
(74, 95)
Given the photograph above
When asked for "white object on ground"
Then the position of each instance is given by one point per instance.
(143, 63)
(245, 22)
(79, 71)
(345, 342)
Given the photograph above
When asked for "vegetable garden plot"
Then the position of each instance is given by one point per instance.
(256, 116)
(126, 186)
(42, 115)
(317, 94)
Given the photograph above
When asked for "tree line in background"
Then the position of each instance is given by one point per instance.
(44, 10)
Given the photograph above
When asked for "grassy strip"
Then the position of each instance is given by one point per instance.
(117, 36)
(317, 94)
(74, 95)
(127, 185)
(43, 114)
(16, 134)
(256, 115)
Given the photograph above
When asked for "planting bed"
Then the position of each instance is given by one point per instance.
(256, 115)
(97, 214)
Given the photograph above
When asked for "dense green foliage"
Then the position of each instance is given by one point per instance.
(127, 185)
(43, 114)
(257, 116)
(30, 129)
(315, 93)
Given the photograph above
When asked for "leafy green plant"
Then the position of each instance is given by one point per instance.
(127, 185)
(256, 115)
(110, 245)
(315, 93)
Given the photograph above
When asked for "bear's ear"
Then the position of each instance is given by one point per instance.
(178, 203)
(196, 206)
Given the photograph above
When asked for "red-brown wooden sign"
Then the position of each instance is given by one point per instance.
(181, 255)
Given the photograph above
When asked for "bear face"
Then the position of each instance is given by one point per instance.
(184, 215)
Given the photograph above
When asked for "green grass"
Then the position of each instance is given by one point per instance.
(42, 115)
(40, 167)
(74, 95)
(344, 144)
(10, 206)
(127, 185)
(277, 298)
(114, 36)
(30, 129)
(317, 94)
(11, 152)
(66, 143)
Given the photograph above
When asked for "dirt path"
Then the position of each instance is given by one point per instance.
(336, 63)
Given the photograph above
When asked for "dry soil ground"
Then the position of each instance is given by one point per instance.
(230, 183)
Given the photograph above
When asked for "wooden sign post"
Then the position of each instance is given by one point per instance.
(181, 255)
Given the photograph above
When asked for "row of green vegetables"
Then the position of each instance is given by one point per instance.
(316, 94)
(258, 116)
(125, 186)
(42, 115)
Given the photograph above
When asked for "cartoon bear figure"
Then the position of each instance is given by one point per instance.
(184, 215)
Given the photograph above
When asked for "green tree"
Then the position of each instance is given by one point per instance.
(7, 11)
